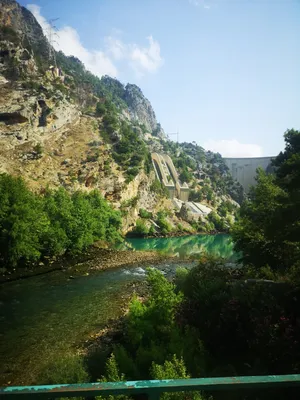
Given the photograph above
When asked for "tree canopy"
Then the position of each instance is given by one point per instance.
(33, 225)
(268, 231)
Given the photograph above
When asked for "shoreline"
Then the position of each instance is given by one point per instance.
(94, 260)
(175, 234)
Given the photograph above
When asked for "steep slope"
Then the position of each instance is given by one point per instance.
(62, 126)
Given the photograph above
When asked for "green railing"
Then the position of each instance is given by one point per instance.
(152, 389)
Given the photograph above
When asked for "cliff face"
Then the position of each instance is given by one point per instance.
(66, 127)
(28, 30)
(46, 135)
(141, 110)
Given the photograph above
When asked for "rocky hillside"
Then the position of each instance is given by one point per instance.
(62, 126)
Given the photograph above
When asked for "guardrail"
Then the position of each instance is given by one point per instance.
(153, 388)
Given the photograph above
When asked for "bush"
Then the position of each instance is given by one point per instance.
(140, 228)
(23, 222)
(185, 176)
(164, 225)
(219, 223)
(145, 214)
(158, 188)
(173, 369)
(39, 149)
(67, 370)
(32, 226)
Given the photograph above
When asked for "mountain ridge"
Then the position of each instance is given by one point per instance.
(63, 126)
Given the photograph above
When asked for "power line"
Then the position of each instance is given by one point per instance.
(177, 133)
(51, 34)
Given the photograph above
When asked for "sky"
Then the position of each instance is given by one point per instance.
(222, 73)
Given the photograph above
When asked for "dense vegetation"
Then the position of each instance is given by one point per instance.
(211, 321)
(208, 322)
(128, 149)
(205, 171)
(216, 321)
(268, 231)
(33, 226)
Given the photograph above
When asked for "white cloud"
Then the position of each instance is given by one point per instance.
(141, 59)
(68, 41)
(233, 148)
(101, 62)
(115, 47)
(147, 59)
(200, 3)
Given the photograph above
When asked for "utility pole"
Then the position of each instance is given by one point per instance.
(51, 34)
(177, 133)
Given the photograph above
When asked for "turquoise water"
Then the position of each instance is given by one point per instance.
(49, 316)
(185, 246)
(52, 315)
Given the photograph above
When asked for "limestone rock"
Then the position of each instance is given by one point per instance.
(140, 110)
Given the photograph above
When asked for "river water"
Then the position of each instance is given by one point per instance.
(51, 315)
(185, 246)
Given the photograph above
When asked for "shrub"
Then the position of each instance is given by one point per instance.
(141, 229)
(68, 369)
(164, 225)
(173, 369)
(158, 188)
(145, 214)
(32, 226)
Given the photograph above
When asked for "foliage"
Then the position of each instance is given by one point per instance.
(149, 325)
(225, 207)
(23, 222)
(164, 225)
(205, 165)
(145, 214)
(158, 188)
(242, 325)
(220, 223)
(132, 202)
(129, 150)
(196, 195)
(268, 230)
(140, 228)
(9, 34)
(38, 148)
(211, 322)
(185, 175)
(173, 369)
(67, 369)
(32, 225)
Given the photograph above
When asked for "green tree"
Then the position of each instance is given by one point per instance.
(141, 228)
(185, 175)
(173, 369)
(268, 230)
(23, 223)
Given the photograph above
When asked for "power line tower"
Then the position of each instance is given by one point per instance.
(52, 34)
(176, 133)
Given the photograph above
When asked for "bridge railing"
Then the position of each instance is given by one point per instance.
(152, 388)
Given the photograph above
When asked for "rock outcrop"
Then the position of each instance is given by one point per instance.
(140, 110)
(15, 19)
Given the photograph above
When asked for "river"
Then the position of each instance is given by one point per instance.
(50, 315)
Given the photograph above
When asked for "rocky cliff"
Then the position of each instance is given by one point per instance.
(65, 127)
(24, 27)
(141, 110)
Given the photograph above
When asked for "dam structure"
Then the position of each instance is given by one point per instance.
(166, 173)
(244, 169)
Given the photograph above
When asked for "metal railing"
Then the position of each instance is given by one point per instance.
(152, 388)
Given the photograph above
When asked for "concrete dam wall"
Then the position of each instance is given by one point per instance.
(167, 174)
(244, 169)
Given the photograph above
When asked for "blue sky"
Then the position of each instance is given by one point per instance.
(224, 73)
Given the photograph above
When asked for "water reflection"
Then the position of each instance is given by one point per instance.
(218, 245)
